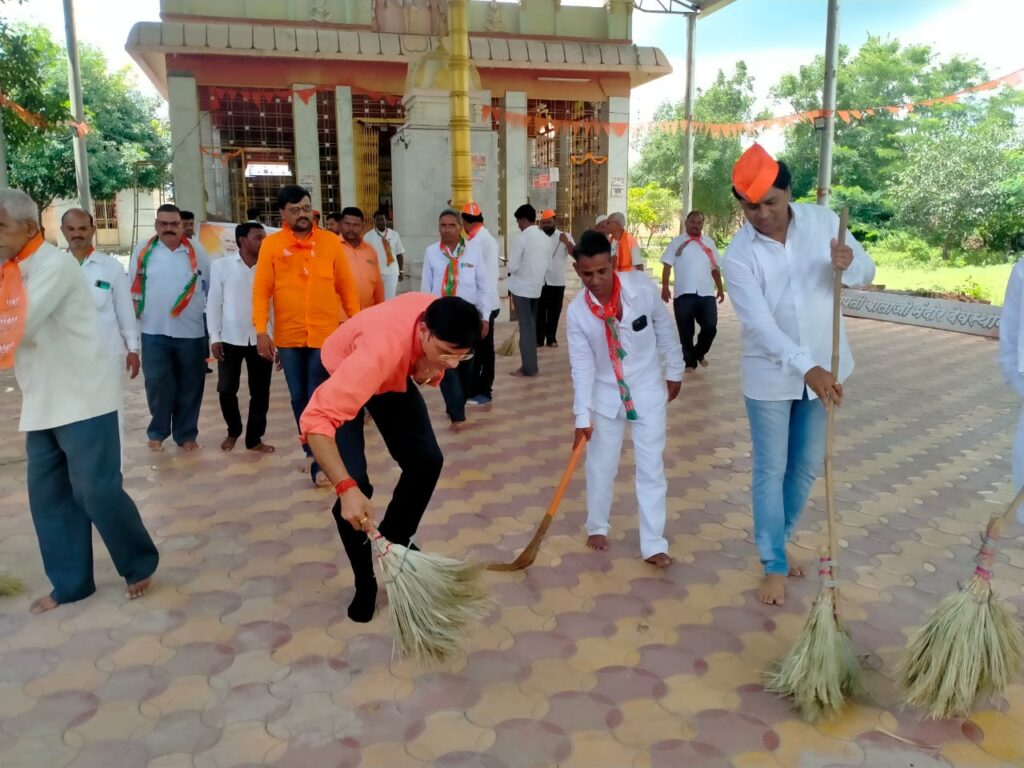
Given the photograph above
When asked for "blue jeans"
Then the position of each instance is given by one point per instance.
(74, 483)
(788, 439)
(303, 372)
(175, 374)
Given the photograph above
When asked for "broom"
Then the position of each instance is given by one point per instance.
(528, 555)
(431, 598)
(10, 585)
(821, 670)
(511, 345)
(971, 645)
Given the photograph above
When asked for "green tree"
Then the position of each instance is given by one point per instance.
(730, 99)
(125, 126)
(652, 207)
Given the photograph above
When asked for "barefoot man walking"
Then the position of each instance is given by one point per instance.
(620, 337)
(779, 269)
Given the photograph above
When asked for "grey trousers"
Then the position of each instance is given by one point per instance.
(526, 312)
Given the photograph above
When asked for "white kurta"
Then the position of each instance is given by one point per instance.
(1011, 363)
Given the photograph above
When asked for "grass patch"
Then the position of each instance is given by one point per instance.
(987, 282)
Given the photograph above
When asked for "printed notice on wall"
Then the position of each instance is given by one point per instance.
(479, 168)
(617, 186)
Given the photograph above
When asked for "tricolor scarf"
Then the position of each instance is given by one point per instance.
(473, 230)
(139, 284)
(606, 314)
(388, 255)
(450, 283)
(14, 303)
(700, 241)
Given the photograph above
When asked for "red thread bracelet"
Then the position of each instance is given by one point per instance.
(345, 485)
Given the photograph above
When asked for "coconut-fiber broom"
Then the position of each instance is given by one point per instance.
(971, 646)
(431, 598)
(10, 585)
(528, 555)
(821, 670)
(511, 345)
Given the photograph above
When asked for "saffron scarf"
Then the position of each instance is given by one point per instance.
(139, 284)
(388, 255)
(14, 303)
(700, 241)
(450, 282)
(606, 313)
(473, 230)
(624, 253)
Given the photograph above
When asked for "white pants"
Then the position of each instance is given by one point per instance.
(603, 453)
(1018, 461)
(390, 286)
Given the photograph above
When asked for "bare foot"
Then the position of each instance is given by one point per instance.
(322, 480)
(773, 589)
(519, 372)
(457, 426)
(690, 371)
(190, 446)
(262, 448)
(138, 589)
(155, 445)
(228, 444)
(597, 541)
(796, 568)
(703, 363)
(43, 604)
(661, 560)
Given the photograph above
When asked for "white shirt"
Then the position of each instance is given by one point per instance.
(559, 260)
(375, 241)
(653, 353)
(56, 362)
(692, 268)
(478, 278)
(1011, 361)
(529, 259)
(782, 295)
(229, 306)
(112, 297)
(167, 275)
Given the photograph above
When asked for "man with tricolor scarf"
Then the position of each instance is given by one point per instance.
(70, 397)
(169, 276)
(626, 367)
(452, 269)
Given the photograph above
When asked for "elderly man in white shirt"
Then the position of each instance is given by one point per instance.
(529, 259)
(49, 333)
(450, 268)
(169, 276)
(780, 267)
(108, 285)
(694, 258)
(387, 244)
(233, 340)
(626, 367)
(1011, 363)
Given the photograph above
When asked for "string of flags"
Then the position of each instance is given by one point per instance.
(38, 121)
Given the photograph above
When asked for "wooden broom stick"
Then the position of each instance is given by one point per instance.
(830, 501)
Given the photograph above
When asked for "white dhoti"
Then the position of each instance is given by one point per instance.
(602, 465)
(390, 286)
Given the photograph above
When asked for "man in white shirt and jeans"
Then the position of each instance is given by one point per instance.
(108, 286)
(549, 309)
(233, 340)
(626, 367)
(49, 333)
(529, 259)
(387, 243)
(780, 270)
(694, 258)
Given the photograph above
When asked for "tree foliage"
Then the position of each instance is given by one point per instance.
(652, 207)
(125, 126)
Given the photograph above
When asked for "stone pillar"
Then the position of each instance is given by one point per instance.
(346, 146)
(616, 110)
(307, 144)
(186, 163)
(517, 164)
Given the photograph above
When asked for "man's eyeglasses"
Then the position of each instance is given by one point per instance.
(298, 208)
(455, 358)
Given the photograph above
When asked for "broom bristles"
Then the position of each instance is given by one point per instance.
(10, 585)
(821, 670)
(431, 599)
(510, 345)
(971, 646)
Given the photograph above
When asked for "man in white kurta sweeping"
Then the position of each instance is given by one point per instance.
(626, 367)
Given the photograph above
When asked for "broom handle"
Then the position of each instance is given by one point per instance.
(830, 493)
(994, 530)
(563, 484)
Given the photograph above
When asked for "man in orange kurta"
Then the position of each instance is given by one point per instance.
(301, 271)
(375, 360)
(362, 259)
(626, 250)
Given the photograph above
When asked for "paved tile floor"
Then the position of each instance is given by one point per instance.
(241, 654)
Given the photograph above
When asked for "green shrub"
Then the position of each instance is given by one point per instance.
(899, 248)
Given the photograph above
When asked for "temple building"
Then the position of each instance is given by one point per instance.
(350, 98)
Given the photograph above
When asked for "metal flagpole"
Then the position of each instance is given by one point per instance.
(828, 103)
(691, 58)
(77, 112)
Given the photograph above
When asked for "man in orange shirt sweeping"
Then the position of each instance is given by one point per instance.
(375, 360)
(303, 271)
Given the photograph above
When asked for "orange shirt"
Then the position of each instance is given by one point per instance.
(369, 355)
(366, 270)
(309, 281)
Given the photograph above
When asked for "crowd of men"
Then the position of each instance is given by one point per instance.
(321, 304)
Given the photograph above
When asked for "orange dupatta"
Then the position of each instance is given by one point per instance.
(14, 303)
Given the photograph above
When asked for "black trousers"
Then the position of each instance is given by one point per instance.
(702, 310)
(549, 310)
(229, 374)
(455, 389)
(482, 379)
(403, 422)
